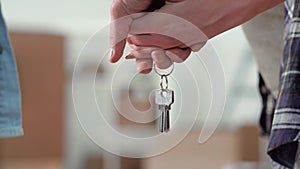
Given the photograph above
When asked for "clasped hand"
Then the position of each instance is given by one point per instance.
(172, 32)
(153, 47)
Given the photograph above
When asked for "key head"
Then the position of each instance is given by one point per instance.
(164, 97)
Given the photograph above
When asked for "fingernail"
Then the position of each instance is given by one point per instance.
(129, 40)
(170, 54)
(140, 69)
(145, 71)
(129, 56)
(111, 58)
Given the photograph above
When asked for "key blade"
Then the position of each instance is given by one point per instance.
(167, 121)
(162, 120)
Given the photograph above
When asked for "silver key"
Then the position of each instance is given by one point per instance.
(164, 98)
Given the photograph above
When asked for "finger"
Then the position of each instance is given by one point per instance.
(160, 59)
(178, 55)
(155, 40)
(119, 29)
(144, 66)
(196, 47)
(149, 48)
(141, 53)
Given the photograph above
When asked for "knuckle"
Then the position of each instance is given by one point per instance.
(114, 7)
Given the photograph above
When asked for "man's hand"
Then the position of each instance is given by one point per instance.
(120, 29)
(121, 8)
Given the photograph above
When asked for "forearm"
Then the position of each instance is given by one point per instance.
(211, 17)
(236, 12)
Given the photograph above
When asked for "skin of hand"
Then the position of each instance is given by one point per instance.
(119, 29)
(211, 17)
(119, 9)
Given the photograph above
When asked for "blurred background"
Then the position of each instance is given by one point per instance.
(47, 37)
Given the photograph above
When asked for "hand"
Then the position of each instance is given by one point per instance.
(119, 29)
(213, 17)
(145, 56)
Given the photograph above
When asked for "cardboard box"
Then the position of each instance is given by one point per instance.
(41, 71)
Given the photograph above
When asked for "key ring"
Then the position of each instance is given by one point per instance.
(157, 72)
(162, 77)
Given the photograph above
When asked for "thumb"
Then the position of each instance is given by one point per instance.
(119, 28)
(118, 33)
(121, 20)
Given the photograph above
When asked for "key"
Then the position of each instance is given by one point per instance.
(164, 98)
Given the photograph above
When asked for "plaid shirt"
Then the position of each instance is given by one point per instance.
(285, 133)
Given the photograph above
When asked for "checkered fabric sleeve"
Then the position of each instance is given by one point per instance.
(285, 134)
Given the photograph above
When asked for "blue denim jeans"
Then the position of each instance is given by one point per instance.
(10, 101)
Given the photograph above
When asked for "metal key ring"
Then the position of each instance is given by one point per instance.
(156, 71)
(162, 77)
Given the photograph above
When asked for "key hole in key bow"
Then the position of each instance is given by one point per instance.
(164, 94)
